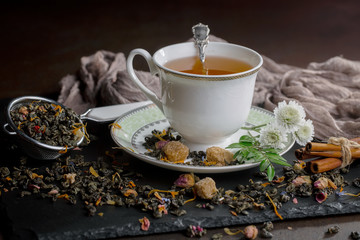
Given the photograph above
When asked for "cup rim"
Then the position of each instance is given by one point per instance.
(249, 72)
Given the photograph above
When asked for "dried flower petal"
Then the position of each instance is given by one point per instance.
(98, 201)
(233, 213)
(231, 233)
(160, 144)
(321, 183)
(162, 209)
(93, 172)
(129, 192)
(301, 180)
(145, 223)
(32, 186)
(66, 196)
(35, 175)
(279, 180)
(53, 192)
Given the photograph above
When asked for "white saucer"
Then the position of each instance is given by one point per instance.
(138, 123)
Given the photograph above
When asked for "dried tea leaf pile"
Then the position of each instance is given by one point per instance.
(48, 123)
(106, 182)
(95, 183)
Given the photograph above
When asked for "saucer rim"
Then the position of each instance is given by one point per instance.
(179, 167)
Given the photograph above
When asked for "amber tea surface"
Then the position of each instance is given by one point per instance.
(213, 65)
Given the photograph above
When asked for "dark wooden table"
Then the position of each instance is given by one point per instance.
(42, 42)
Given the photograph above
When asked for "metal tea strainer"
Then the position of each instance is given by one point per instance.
(38, 150)
(29, 145)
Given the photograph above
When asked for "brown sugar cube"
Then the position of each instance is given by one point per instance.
(175, 151)
(206, 188)
(219, 155)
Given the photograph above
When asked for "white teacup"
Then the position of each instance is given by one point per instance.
(204, 109)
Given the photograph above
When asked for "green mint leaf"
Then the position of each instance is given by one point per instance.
(235, 145)
(245, 138)
(280, 162)
(245, 152)
(263, 165)
(277, 159)
(270, 150)
(270, 172)
(245, 144)
(236, 154)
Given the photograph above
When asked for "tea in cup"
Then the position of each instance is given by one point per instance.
(205, 105)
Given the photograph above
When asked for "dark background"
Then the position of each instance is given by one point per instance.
(42, 41)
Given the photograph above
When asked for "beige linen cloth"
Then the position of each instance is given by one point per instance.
(328, 91)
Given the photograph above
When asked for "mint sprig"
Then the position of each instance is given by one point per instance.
(251, 151)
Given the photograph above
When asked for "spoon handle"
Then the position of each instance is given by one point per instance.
(110, 113)
(201, 36)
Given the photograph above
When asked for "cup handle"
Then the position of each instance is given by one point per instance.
(153, 70)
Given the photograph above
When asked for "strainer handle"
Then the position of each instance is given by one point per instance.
(6, 126)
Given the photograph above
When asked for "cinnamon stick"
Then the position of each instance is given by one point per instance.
(322, 147)
(329, 155)
(323, 165)
(302, 154)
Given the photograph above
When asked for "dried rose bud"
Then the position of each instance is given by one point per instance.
(160, 144)
(251, 232)
(321, 183)
(321, 197)
(185, 180)
(301, 180)
(195, 231)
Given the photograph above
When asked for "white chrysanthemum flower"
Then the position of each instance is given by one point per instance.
(289, 116)
(272, 136)
(305, 133)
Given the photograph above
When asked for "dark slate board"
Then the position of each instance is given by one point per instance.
(34, 218)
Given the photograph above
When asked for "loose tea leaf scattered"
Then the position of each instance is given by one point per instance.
(355, 235)
(108, 181)
(333, 230)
